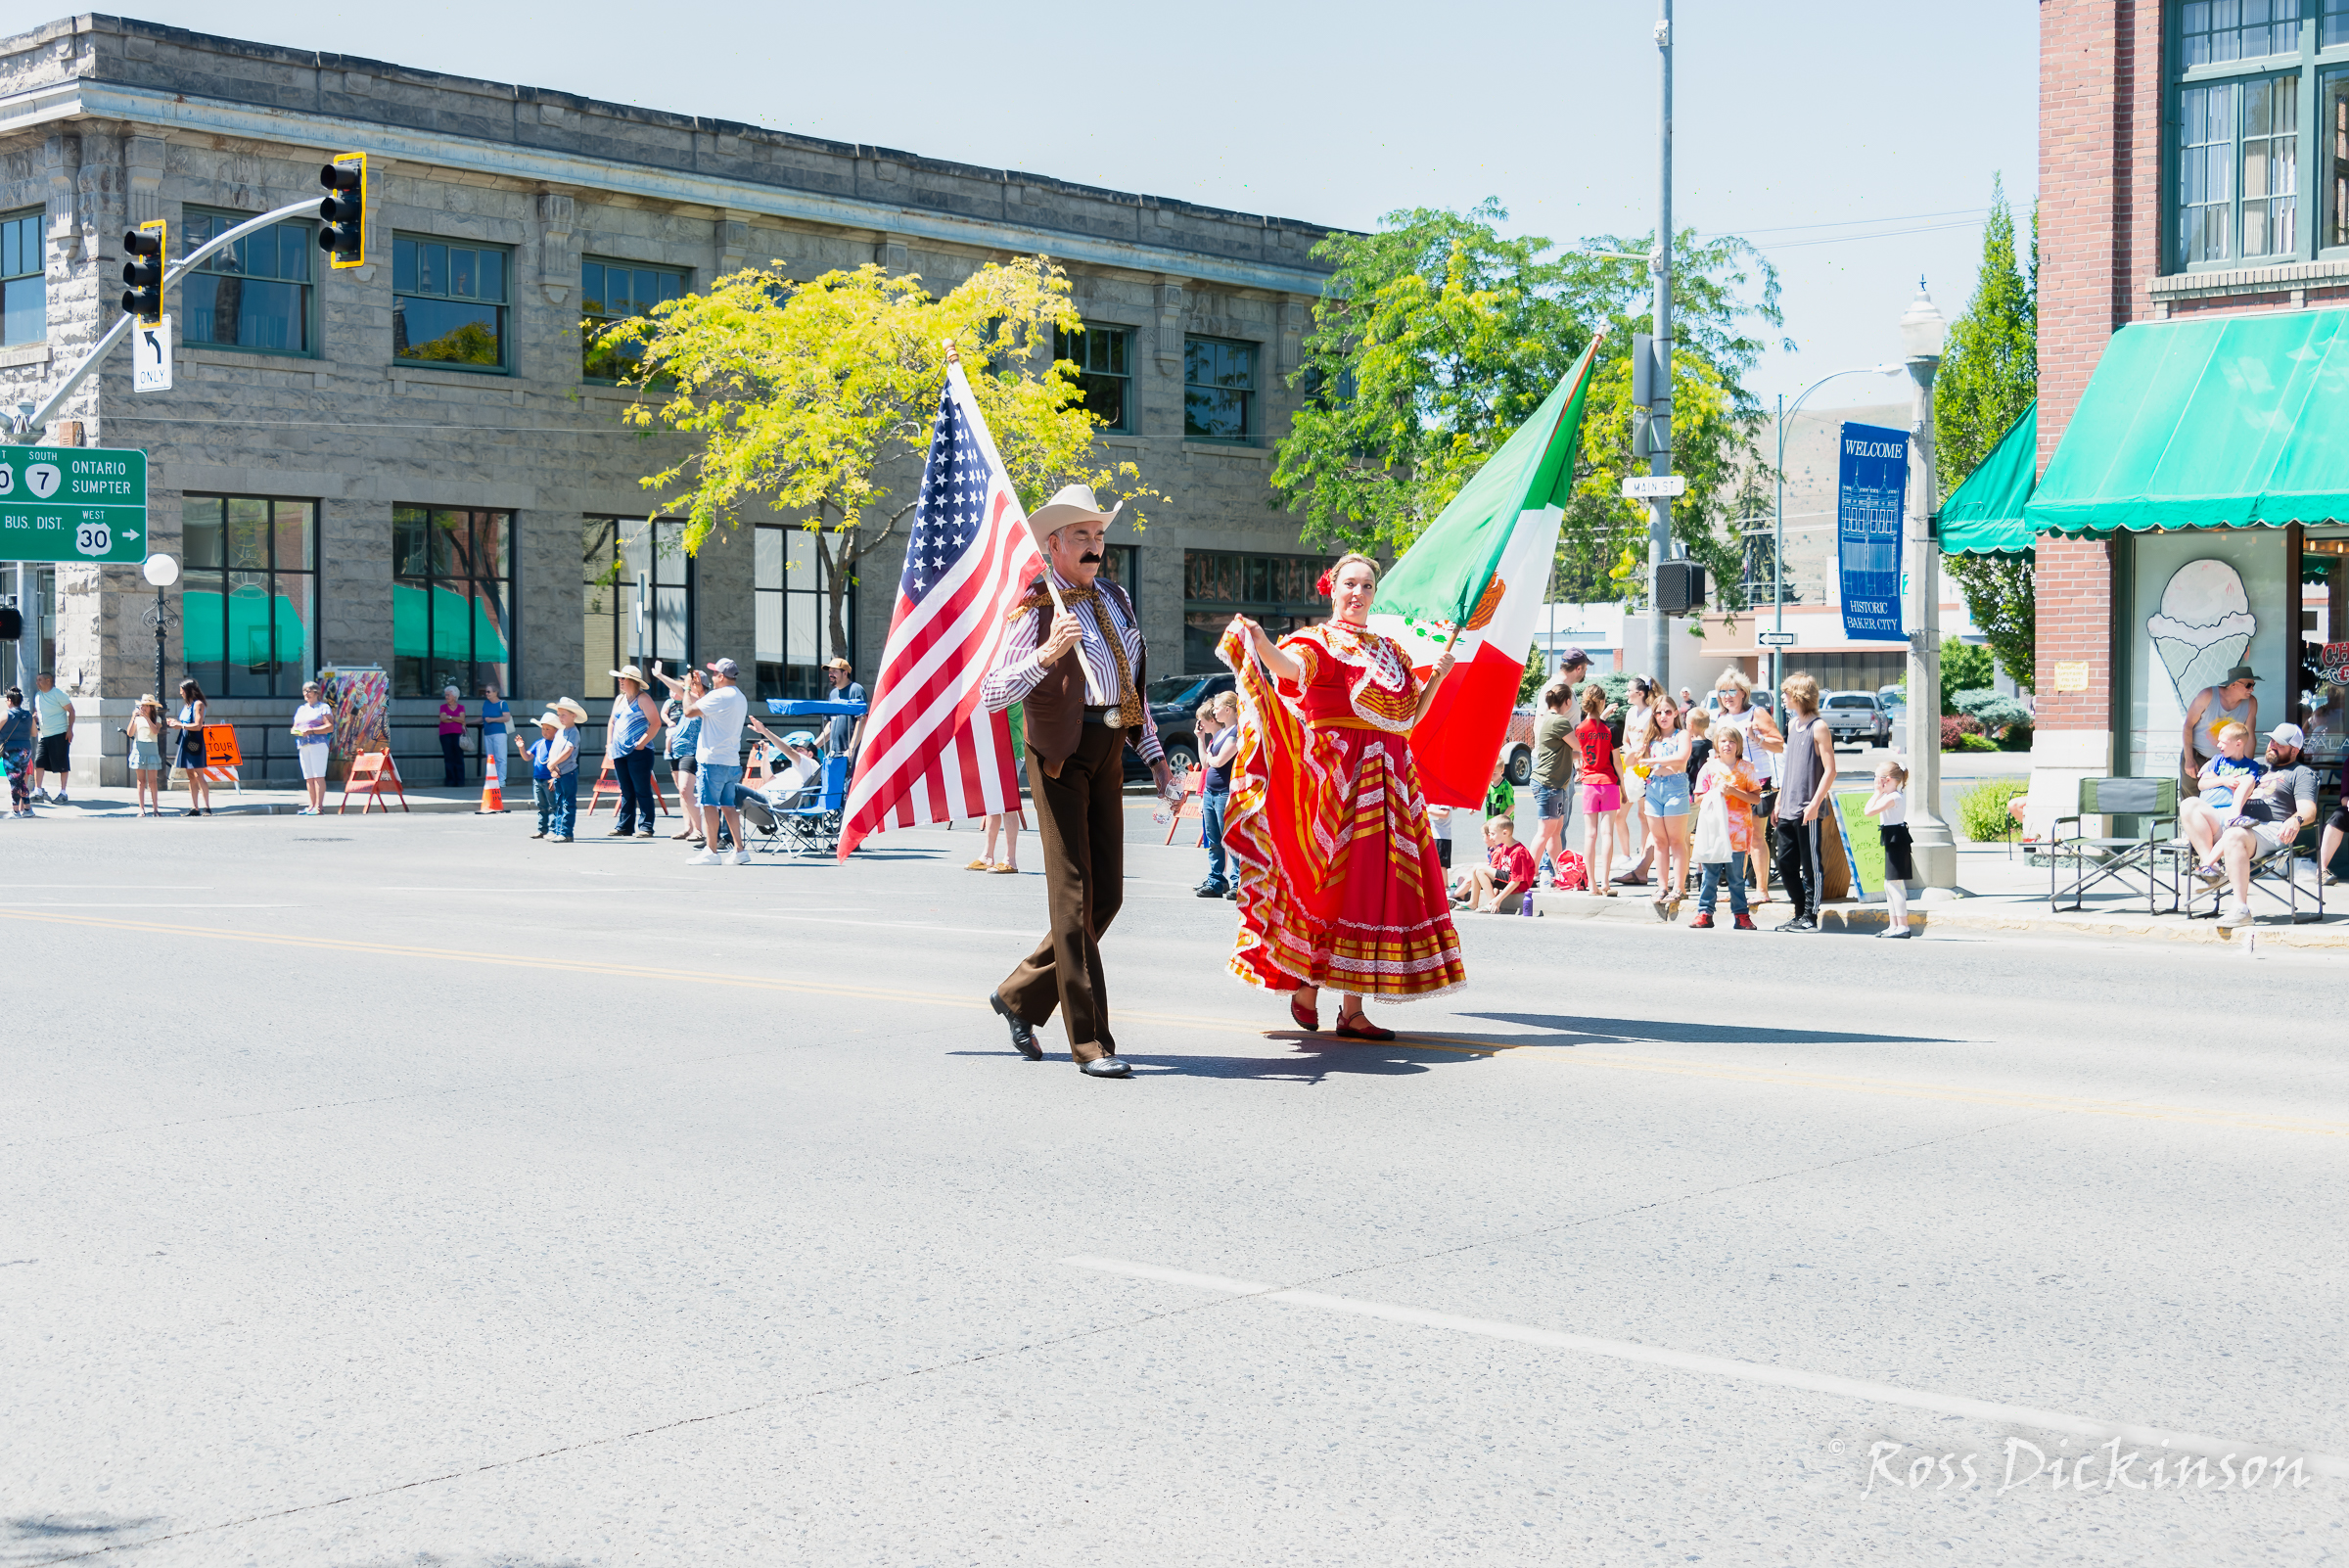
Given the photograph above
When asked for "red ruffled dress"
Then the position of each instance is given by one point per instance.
(1339, 881)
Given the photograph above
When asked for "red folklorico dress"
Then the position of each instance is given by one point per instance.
(1339, 881)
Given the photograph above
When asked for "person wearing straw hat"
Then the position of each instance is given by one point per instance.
(563, 770)
(542, 772)
(629, 745)
(145, 733)
(1075, 661)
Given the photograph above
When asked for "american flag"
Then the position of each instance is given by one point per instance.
(931, 754)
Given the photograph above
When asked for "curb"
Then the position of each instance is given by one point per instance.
(1869, 919)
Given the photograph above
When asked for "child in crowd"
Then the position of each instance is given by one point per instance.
(1439, 819)
(1727, 786)
(1501, 800)
(1602, 787)
(542, 777)
(1889, 806)
(1506, 880)
(1700, 724)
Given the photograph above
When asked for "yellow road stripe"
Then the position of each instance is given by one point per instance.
(1575, 1055)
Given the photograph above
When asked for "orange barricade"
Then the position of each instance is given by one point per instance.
(372, 773)
(606, 781)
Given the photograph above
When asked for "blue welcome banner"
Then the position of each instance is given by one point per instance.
(1871, 485)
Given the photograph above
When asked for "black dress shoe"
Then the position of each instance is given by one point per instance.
(1023, 1032)
(1209, 890)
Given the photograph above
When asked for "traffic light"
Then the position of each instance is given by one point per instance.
(1681, 587)
(142, 250)
(345, 211)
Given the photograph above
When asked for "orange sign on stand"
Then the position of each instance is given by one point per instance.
(371, 774)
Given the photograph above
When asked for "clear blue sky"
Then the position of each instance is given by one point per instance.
(1821, 130)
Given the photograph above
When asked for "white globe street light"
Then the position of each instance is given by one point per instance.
(162, 569)
(1934, 851)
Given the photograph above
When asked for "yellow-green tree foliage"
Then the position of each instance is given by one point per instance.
(804, 393)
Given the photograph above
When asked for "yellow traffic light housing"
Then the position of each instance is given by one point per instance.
(344, 210)
(144, 250)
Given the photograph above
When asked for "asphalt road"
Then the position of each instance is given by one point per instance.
(405, 1192)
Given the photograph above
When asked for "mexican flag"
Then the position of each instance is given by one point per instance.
(1483, 569)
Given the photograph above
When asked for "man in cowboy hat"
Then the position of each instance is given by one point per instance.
(1081, 675)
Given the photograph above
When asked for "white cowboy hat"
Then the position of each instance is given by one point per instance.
(578, 714)
(1073, 504)
(630, 673)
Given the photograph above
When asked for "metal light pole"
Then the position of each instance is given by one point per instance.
(1778, 564)
(1935, 850)
(1659, 426)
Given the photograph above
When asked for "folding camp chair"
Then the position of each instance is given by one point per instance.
(2156, 854)
(814, 827)
(2275, 875)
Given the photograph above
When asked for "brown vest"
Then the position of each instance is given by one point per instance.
(1054, 712)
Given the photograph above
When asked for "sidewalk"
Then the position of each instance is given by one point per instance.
(1999, 894)
(257, 800)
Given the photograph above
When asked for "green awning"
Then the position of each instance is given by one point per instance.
(2230, 422)
(1984, 516)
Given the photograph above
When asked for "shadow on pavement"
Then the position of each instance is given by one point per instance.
(1622, 1031)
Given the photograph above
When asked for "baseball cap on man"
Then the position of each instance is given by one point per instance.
(725, 667)
(2289, 735)
(1573, 657)
(836, 662)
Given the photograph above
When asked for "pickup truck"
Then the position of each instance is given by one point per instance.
(1855, 718)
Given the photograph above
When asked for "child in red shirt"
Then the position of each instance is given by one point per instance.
(1601, 789)
(1500, 886)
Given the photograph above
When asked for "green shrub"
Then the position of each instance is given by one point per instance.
(1976, 743)
(1982, 810)
(2016, 739)
(1997, 713)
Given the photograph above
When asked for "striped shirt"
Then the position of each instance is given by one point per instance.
(1017, 671)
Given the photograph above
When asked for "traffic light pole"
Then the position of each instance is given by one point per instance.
(24, 422)
(1659, 462)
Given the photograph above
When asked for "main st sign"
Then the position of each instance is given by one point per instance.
(73, 503)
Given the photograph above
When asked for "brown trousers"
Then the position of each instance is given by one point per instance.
(1080, 817)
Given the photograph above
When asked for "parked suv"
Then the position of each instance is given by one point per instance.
(1175, 702)
(1855, 718)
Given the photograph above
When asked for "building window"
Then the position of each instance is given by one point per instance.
(255, 293)
(1104, 370)
(614, 290)
(448, 303)
(31, 590)
(792, 615)
(2242, 68)
(452, 597)
(1121, 564)
(1276, 590)
(1219, 391)
(628, 562)
(248, 598)
(23, 281)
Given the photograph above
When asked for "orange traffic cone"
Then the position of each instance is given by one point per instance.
(494, 800)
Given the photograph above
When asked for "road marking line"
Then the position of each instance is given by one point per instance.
(2240, 1121)
(1722, 1366)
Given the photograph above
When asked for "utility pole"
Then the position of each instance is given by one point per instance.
(1659, 423)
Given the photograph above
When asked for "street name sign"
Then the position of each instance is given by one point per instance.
(73, 503)
(1774, 639)
(151, 356)
(1645, 486)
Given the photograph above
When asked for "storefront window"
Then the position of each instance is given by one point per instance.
(618, 554)
(32, 590)
(2324, 670)
(248, 597)
(452, 589)
(2202, 601)
(792, 614)
(1275, 590)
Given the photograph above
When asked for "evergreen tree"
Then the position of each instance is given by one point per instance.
(1988, 375)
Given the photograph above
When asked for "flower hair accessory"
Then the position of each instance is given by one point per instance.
(1321, 584)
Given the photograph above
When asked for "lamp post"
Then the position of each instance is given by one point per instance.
(1778, 563)
(163, 571)
(1934, 849)
(1659, 462)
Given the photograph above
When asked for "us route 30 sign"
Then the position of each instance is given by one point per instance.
(73, 503)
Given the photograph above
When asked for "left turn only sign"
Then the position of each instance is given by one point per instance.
(151, 356)
(73, 503)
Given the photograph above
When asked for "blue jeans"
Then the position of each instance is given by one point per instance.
(1211, 832)
(566, 790)
(1734, 868)
(634, 774)
(543, 801)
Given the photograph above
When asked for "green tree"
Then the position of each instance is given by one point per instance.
(1964, 667)
(802, 393)
(1439, 336)
(1988, 375)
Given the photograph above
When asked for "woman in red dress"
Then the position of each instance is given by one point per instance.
(1339, 880)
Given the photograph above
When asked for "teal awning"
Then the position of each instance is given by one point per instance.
(2230, 422)
(1984, 516)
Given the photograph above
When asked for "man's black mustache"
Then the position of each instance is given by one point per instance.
(1088, 559)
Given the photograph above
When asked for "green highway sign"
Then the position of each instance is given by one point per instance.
(73, 503)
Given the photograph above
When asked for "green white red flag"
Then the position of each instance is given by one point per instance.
(1482, 568)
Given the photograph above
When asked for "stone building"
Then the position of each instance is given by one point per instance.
(413, 464)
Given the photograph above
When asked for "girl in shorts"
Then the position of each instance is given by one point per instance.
(1601, 789)
(1665, 761)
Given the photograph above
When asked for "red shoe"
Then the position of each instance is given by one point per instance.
(1745, 922)
(1358, 1027)
(1702, 922)
(1307, 1018)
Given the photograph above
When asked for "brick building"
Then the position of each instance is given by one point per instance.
(414, 464)
(2195, 260)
